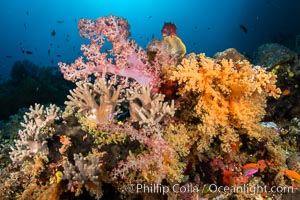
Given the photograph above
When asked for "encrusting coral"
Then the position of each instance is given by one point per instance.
(118, 129)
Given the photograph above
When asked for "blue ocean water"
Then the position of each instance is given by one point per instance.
(45, 32)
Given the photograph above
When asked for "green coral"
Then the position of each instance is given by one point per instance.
(100, 137)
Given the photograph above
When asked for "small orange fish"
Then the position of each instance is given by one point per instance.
(250, 169)
(249, 165)
(292, 174)
(286, 92)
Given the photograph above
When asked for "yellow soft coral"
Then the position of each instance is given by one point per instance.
(178, 138)
(230, 97)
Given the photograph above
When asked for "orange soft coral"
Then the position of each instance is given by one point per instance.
(230, 97)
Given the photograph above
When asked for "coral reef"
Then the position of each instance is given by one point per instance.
(118, 131)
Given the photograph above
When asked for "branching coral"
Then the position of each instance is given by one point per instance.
(96, 101)
(42, 116)
(31, 150)
(146, 107)
(231, 97)
(86, 172)
(86, 168)
(37, 128)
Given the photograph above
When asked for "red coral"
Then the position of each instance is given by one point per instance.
(261, 164)
(125, 58)
(227, 176)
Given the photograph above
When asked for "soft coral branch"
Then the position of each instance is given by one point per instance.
(125, 58)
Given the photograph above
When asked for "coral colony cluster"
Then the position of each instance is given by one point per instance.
(154, 118)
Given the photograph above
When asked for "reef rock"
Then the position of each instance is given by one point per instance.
(272, 54)
(230, 53)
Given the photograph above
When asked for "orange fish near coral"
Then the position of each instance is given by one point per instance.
(292, 174)
(285, 92)
(260, 165)
(250, 165)
(250, 169)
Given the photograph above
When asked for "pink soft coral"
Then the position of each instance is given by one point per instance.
(157, 161)
(125, 58)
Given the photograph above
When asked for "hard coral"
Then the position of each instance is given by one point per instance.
(146, 107)
(86, 172)
(96, 101)
(230, 97)
(37, 128)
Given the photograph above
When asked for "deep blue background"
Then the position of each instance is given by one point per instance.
(204, 25)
